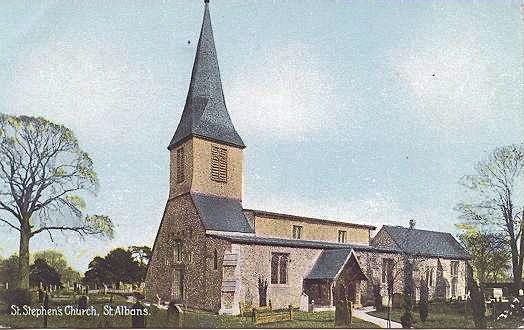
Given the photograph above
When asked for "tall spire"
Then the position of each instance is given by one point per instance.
(205, 114)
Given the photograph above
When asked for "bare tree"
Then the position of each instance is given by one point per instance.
(42, 168)
(498, 189)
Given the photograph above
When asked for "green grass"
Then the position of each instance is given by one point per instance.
(301, 320)
(160, 319)
(442, 316)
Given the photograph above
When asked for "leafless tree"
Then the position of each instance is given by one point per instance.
(42, 170)
(498, 191)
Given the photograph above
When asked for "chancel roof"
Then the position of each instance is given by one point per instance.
(423, 242)
(205, 114)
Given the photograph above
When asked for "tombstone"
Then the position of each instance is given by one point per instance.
(138, 319)
(340, 312)
(46, 307)
(304, 302)
(83, 301)
(175, 315)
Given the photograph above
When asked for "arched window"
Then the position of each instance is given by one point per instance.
(215, 259)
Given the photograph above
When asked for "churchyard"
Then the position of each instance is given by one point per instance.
(447, 315)
(157, 318)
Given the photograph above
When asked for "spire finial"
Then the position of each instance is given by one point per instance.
(206, 1)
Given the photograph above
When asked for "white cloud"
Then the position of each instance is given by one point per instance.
(87, 84)
(451, 82)
(285, 94)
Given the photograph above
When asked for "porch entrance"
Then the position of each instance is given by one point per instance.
(336, 275)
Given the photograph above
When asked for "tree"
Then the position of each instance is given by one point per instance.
(9, 270)
(498, 189)
(98, 272)
(42, 170)
(123, 268)
(41, 272)
(142, 255)
(117, 266)
(477, 299)
(407, 317)
(56, 260)
(424, 300)
(489, 253)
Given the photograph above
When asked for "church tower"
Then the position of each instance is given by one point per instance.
(206, 152)
(205, 194)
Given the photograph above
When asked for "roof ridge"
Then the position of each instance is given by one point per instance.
(417, 229)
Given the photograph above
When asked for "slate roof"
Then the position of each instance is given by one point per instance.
(221, 214)
(205, 114)
(275, 241)
(328, 264)
(424, 242)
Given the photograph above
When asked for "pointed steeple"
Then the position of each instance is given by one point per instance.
(205, 114)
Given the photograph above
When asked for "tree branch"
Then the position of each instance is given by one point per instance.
(12, 226)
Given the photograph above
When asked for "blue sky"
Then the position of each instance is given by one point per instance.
(365, 111)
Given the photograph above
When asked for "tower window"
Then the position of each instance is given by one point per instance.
(297, 232)
(342, 236)
(215, 260)
(180, 164)
(218, 164)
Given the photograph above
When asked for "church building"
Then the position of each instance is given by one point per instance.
(212, 254)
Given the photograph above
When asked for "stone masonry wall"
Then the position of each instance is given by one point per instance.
(371, 263)
(319, 231)
(254, 261)
(181, 221)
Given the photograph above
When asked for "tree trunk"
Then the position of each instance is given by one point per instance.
(23, 257)
(517, 275)
(517, 268)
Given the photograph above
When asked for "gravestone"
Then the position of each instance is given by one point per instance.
(83, 301)
(46, 307)
(138, 320)
(175, 315)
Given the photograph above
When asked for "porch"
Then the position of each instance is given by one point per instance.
(336, 275)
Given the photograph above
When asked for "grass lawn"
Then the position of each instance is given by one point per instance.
(159, 318)
(441, 316)
(193, 319)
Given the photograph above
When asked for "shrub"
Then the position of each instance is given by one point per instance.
(477, 305)
(377, 297)
(17, 297)
(424, 300)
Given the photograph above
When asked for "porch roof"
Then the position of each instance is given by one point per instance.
(330, 264)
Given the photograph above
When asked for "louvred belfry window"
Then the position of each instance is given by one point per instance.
(218, 164)
(180, 162)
